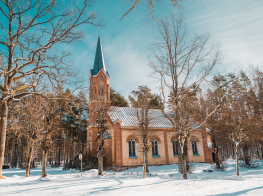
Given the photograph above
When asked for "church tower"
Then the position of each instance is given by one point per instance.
(99, 81)
(99, 94)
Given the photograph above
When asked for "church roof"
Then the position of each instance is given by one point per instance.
(99, 60)
(128, 117)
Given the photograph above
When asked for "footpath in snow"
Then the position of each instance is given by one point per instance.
(162, 180)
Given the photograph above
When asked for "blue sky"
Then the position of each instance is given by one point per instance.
(237, 25)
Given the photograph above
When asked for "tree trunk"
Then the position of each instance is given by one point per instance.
(233, 151)
(237, 168)
(29, 159)
(58, 157)
(215, 151)
(21, 153)
(14, 153)
(144, 168)
(33, 163)
(44, 164)
(180, 162)
(100, 163)
(246, 155)
(3, 122)
(145, 164)
(258, 155)
(185, 167)
(218, 166)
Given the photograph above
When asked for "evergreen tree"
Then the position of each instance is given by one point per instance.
(117, 99)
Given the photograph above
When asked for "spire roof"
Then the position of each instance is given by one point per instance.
(99, 60)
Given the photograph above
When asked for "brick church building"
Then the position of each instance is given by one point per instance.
(123, 147)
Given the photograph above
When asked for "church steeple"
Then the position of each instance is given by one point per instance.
(99, 60)
(99, 77)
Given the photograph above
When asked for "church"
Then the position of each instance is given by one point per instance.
(123, 147)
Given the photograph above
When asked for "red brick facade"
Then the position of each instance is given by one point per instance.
(118, 145)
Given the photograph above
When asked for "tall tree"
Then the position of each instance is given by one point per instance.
(214, 123)
(31, 119)
(181, 63)
(31, 33)
(98, 110)
(143, 101)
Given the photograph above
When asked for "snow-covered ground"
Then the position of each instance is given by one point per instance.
(163, 180)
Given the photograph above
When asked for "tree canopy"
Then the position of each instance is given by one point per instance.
(117, 99)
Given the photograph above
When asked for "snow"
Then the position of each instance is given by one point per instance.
(162, 180)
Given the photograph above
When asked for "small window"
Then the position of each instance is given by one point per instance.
(194, 147)
(132, 150)
(175, 149)
(155, 148)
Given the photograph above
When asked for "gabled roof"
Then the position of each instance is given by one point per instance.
(99, 60)
(128, 117)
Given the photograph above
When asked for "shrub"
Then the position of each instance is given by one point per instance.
(5, 166)
(88, 162)
(223, 166)
(252, 163)
(190, 167)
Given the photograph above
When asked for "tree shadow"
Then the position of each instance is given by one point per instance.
(111, 188)
(238, 192)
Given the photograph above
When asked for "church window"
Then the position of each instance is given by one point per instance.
(175, 149)
(194, 147)
(155, 148)
(132, 148)
(101, 89)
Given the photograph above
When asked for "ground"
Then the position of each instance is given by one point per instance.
(162, 180)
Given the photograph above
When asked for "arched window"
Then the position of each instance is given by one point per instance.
(175, 149)
(194, 147)
(155, 148)
(132, 150)
(101, 89)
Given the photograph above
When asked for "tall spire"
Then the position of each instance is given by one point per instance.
(99, 60)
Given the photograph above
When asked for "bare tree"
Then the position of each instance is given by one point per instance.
(31, 119)
(150, 4)
(211, 99)
(144, 101)
(182, 63)
(30, 36)
(100, 109)
(241, 114)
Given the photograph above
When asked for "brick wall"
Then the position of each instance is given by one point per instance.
(118, 145)
(108, 152)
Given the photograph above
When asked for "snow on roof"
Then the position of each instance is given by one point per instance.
(128, 117)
